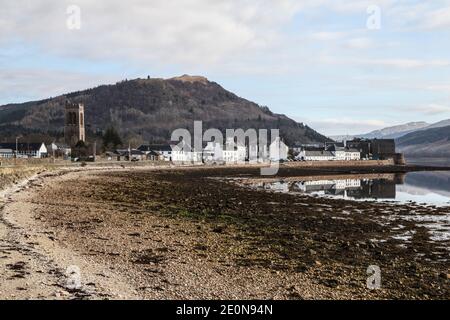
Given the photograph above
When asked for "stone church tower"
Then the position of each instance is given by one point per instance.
(74, 124)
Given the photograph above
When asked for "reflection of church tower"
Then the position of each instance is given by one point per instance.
(74, 124)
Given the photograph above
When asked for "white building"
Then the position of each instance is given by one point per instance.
(315, 155)
(24, 150)
(234, 152)
(59, 150)
(332, 153)
(352, 154)
(278, 150)
(183, 153)
(6, 153)
(177, 154)
(299, 147)
(164, 150)
(213, 152)
(339, 153)
(252, 153)
(344, 153)
(233, 156)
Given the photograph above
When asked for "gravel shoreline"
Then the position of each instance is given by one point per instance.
(177, 234)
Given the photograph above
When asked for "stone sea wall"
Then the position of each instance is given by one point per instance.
(360, 163)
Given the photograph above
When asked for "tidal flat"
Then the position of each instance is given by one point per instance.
(186, 233)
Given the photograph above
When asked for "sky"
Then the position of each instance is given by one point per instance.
(342, 67)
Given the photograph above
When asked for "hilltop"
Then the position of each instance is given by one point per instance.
(150, 109)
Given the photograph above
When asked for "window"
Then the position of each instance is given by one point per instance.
(71, 118)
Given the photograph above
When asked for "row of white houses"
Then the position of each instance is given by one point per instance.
(33, 150)
(333, 153)
(213, 152)
(277, 151)
(216, 152)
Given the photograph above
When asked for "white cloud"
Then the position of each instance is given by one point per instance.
(352, 122)
(360, 43)
(438, 87)
(225, 37)
(402, 63)
(345, 125)
(422, 15)
(432, 109)
(407, 63)
(327, 35)
(437, 19)
(20, 85)
(189, 31)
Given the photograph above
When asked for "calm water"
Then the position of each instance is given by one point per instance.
(419, 187)
(424, 188)
(429, 161)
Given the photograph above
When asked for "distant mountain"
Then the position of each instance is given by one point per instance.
(433, 142)
(342, 137)
(439, 124)
(395, 131)
(148, 110)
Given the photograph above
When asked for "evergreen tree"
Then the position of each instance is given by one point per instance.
(111, 139)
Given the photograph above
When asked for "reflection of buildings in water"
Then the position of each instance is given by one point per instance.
(312, 186)
(353, 188)
(276, 186)
(374, 189)
(399, 178)
(320, 185)
(383, 189)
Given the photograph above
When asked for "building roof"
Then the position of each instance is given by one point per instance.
(155, 147)
(182, 146)
(303, 145)
(153, 153)
(337, 144)
(355, 140)
(317, 153)
(21, 146)
(383, 140)
(61, 145)
(313, 148)
(126, 152)
(335, 148)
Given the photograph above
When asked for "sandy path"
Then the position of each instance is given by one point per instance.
(35, 266)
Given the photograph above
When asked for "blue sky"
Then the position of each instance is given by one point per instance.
(315, 61)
